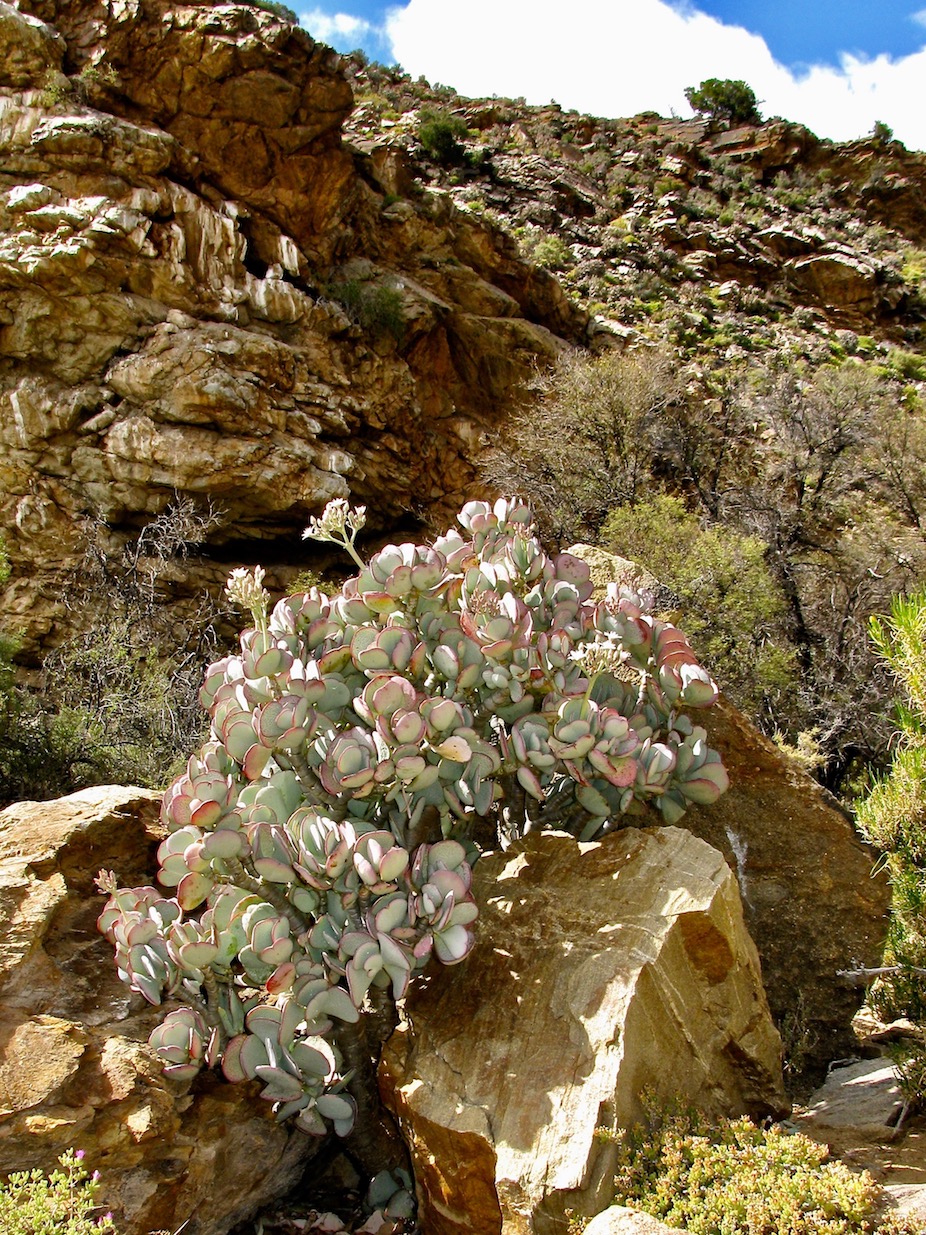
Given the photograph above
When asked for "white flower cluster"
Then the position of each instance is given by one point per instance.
(337, 521)
(604, 655)
(339, 524)
(245, 589)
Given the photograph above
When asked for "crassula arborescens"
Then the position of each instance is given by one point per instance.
(362, 747)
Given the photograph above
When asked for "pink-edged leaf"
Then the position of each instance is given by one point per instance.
(336, 1002)
(223, 843)
(530, 782)
(231, 1060)
(334, 1106)
(206, 814)
(273, 870)
(453, 945)
(239, 738)
(255, 760)
(193, 889)
(282, 978)
(455, 748)
(197, 955)
(279, 1086)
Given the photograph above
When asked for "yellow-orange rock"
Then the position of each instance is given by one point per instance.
(75, 1069)
(600, 970)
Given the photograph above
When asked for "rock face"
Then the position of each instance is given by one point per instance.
(206, 292)
(813, 902)
(74, 1067)
(600, 970)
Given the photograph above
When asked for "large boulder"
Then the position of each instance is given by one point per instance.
(838, 281)
(75, 1070)
(601, 970)
(813, 900)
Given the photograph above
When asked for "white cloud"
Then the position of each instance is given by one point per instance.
(335, 27)
(619, 57)
(919, 17)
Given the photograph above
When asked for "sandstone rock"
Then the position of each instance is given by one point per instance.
(620, 1220)
(600, 970)
(812, 900)
(75, 1071)
(28, 49)
(860, 1099)
(856, 1113)
(837, 281)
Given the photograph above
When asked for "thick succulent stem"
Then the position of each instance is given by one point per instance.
(271, 892)
(375, 1141)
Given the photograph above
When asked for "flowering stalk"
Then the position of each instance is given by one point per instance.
(245, 590)
(339, 524)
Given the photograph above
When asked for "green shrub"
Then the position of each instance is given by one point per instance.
(278, 9)
(724, 99)
(893, 815)
(587, 444)
(736, 1179)
(117, 701)
(62, 1203)
(551, 252)
(377, 307)
(439, 134)
(733, 607)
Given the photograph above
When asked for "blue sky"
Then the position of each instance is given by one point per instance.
(836, 67)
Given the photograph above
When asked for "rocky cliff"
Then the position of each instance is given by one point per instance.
(231, 270)
(208, 292)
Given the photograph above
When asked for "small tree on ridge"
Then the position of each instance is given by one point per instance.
(723, 99)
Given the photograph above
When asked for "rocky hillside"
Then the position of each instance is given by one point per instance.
(724, 242)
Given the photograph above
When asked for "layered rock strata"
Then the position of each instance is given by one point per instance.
(206, 292)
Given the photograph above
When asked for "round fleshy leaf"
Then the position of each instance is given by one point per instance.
(591, 800)
(206, 814)
(223, 843)
(197, 955)
(255, 760)
(231, 1060)
(530, 782)
(311, 1122)
(455, 748)
(273, 870)
(279, 1086)
(453, 944)
(314, 1058)
(334, 1106)
(193, 889)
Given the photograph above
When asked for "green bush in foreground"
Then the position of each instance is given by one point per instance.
(62, 1203)
(893, 817)
(737, 1179)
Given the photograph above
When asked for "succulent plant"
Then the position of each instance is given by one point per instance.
(320, 844)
